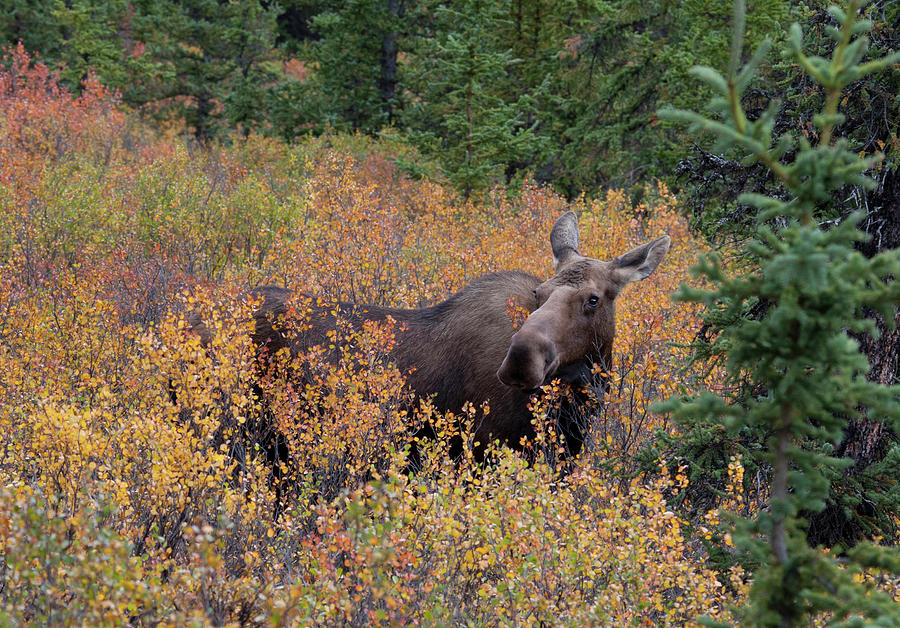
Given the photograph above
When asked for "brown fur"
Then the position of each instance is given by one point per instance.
(449, 352)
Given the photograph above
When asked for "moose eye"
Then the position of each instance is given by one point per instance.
(593, 300)
(536, 297)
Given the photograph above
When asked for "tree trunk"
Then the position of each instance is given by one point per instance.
(883, 226)
(387, 83)
(202, 122)
(866, 441)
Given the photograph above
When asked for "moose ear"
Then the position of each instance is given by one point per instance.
(642, 260)
(564, 239)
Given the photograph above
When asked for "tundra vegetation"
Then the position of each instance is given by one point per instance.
(138, 484)
(119, 505)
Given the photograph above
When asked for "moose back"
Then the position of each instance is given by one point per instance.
(466, 349)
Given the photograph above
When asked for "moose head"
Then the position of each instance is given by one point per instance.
(573, 323)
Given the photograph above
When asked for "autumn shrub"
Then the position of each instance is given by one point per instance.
(341, 407)
(153, 474)
(521, 547)
(64, 568)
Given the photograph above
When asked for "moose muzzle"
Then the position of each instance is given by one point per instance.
(530, 362)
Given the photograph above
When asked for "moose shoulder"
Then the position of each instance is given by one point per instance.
(466, 349)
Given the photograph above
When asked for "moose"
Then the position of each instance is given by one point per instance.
(467, 349)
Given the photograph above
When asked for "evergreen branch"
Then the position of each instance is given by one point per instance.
(737, 41)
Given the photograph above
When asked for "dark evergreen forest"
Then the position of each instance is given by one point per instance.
(563, 93)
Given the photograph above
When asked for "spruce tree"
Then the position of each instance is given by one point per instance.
(859, 505)
(81, 37)
(352, 48)
(32, 22)
(785, 328)
(213, 59)
(469, 112)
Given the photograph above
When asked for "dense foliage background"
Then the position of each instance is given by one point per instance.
(158, 158)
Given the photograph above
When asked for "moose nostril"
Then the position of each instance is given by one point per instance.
(550, 355)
